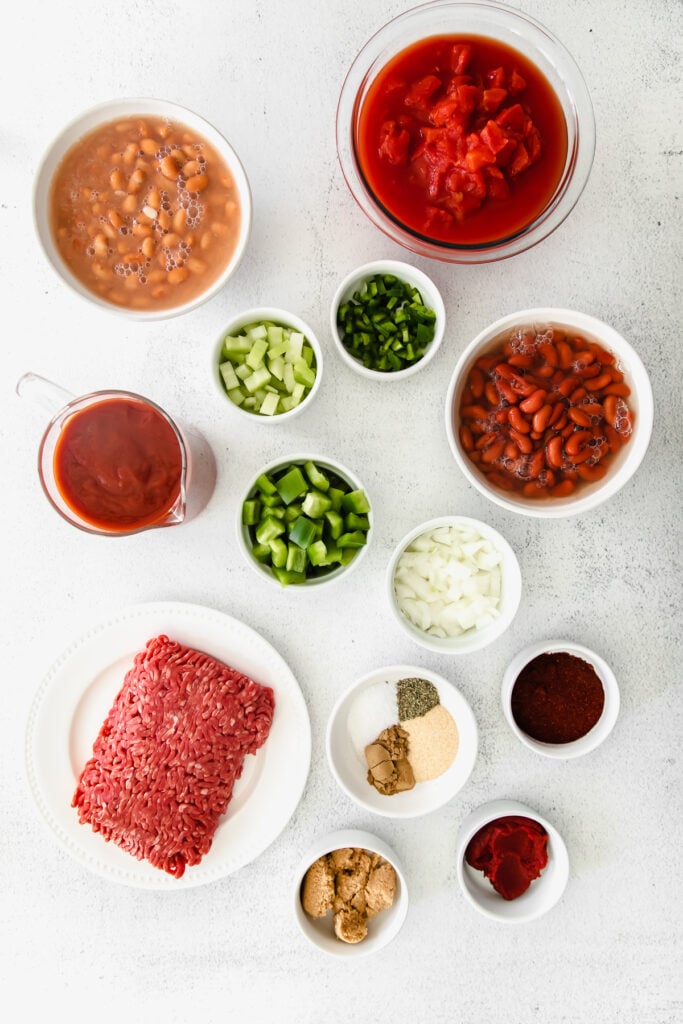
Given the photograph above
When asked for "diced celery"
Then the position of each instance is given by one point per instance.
(296, 344)
(236, 396)
(274, 335)
(276, 366)
(258, 351)
(257, 332)
(288, 376)
(257, 379)
(230, 378)
(269, 405)
(303, 374)
(243, 371)
(307, 354)
(233, 345)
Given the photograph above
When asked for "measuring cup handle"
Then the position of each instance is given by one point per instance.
(45, 393)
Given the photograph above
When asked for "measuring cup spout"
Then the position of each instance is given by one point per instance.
(43, 392)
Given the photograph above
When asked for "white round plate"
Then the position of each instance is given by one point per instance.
(76, 695)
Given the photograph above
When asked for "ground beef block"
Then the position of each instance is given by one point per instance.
(169, 753)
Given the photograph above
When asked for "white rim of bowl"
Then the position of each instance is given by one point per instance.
(278, 315)
(339, 840)
(604, 725)
(502, 809)
(143, 106)
(430, 296)
(404, 671)
(337, 574)
(511, 580)
(602, 490)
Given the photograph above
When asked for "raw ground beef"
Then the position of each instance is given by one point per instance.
(169, 753)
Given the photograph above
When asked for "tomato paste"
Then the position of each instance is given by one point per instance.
(461, 139)
(511, 852)
(118, 464)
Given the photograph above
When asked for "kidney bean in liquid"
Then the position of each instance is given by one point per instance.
(544, 412)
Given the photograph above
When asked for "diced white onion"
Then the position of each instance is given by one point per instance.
(448, 581)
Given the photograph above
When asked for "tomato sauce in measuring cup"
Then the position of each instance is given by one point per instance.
(118, 464)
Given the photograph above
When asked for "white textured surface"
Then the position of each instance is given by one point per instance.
(268, 74)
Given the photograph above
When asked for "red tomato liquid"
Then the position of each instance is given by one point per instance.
(407, 189)
(118, 464)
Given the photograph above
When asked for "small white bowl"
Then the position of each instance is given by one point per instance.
(87, 122)
(431, 297)
(286, 319)
(625, 462)
(543, 893)
(601, 729)
(511, 591)
(382, 928)
(244, 541)
(348, 765)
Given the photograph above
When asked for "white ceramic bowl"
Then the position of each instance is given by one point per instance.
(382, 928)
(602, 727)
(110, 111)
(431, 297)
(625, 462)
(511, 591)
(347, 738)
(244, 541)
(543, 893)
(286, 319)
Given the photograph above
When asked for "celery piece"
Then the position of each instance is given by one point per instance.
(257, 379)
(302, 532)
(236, 345)
(291, 485)
(236, 396)
(356, 501)
(265, 485)
(316, 476)
(276, 365)
(298, 393)
(274, 335)
(286, 578)
(335, 524)
(307, 354)
(296, 344)
(288, 376)
(303, 374)
(269, 404)
(268, 528)
(243, 371)
(354, 522)
(317, 553)
(356, 539)
(316, 504)
(251, 512)
(261, 552)
(256, 332)
(256, 357)
(278, 551)
(230, 378)
(335, 495)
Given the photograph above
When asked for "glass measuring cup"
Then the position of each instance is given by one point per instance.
(114, 463)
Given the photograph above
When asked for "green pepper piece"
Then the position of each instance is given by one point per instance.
(265, 484)
(356, 539)
(286, 578)
(251, 512)
(354, 522)
(315, 504)
(261, 552)
(268, 529)
(291, 485)
(302, 532)
(317, 477)
(317, 553)
(297, 559)
(356, 501)
(335, 523)
(278, 550)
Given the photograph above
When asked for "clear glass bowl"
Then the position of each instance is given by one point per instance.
(519, 32)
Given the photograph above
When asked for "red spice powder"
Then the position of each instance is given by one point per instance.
(511, 852)
(557, 698)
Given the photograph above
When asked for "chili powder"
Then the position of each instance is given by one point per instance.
(557, 698)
